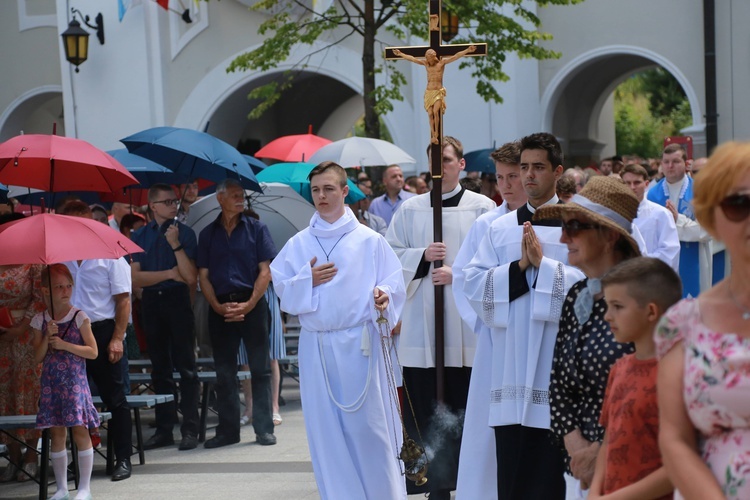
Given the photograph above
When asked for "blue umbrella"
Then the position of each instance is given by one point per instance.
(255, 164)
(146, 171)
(192, 154)
(480, 161)
(295, 176)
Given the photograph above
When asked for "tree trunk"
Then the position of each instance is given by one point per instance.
(372, 123)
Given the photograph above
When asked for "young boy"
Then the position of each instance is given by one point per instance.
(637, 291)
(336, 275)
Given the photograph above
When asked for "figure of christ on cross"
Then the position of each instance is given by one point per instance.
(434, 95)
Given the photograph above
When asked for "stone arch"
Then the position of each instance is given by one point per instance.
(331, 66)
(575, 97)
(33, 112)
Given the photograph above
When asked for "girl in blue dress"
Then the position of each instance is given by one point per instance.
(64, 343)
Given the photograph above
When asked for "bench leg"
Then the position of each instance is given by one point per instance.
(204, 411)
(44, 466)
(139, 434)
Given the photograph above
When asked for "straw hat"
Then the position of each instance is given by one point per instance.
(606, 201)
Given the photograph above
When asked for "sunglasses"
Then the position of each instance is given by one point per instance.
(736, 207)
(573, 227)
(168, 203)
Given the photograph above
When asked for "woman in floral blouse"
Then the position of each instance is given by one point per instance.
(596, 227)
(20, 292)
(704, 349)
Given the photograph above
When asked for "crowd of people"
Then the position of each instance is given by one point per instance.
(583, 354)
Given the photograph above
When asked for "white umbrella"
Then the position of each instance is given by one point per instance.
(280, 208)
(361, 152)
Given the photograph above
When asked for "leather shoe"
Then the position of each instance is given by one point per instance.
(158, 441)
(219, 441)
(123, 469)
(188, 442)
(265, 439)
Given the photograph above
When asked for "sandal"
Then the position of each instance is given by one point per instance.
(277, 419)
(245, 420)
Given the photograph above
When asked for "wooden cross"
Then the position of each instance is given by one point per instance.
(434, 57)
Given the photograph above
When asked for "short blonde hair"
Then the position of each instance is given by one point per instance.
(729, 163)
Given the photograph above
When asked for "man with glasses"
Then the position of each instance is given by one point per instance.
(168, 276)
(516, 283)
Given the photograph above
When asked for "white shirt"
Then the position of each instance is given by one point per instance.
(659, 232)
(96, 282)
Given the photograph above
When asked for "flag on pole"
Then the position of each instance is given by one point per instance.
(124, 5)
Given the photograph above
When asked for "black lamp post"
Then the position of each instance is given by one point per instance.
(76, 39)
(448, 25)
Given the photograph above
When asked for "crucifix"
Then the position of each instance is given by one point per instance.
(434, 57)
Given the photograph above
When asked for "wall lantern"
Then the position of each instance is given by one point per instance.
(76, 39)
(448, 25)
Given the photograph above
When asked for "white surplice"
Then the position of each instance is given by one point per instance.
(477, 465)
(657, 226)
(523, 330)
(409, 234)
(352, 422)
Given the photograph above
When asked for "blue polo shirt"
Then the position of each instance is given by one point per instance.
(232, 260)
(159, 255)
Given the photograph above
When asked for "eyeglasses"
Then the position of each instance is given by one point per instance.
(168, 203)
(736, 207)
(573, 227)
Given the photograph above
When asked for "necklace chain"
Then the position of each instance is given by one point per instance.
(745, 310)
(328, 254)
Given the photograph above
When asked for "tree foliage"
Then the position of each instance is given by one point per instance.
(649, 106)
(507, 26)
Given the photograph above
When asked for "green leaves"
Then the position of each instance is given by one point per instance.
(507, 26)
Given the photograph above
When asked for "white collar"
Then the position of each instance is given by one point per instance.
(452, 193)
(342, 225)
(552, 201)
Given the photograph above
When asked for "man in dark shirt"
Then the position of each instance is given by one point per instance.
(168, 275)
(234, 257)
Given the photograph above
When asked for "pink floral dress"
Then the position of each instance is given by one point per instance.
(20, 291)
(716, 393)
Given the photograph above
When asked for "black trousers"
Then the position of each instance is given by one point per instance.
(225, 341)
(529, 464)
(441, 430)
(108, 379)
(170, 333)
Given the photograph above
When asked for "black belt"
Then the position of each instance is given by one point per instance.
(99, 324)
(235, 296)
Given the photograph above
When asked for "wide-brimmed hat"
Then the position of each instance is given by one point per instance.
(607, 201)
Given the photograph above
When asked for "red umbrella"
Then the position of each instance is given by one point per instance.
(51, 238)
(292, 148)
(53, 163)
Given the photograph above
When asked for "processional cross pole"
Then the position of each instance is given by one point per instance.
(434, 57)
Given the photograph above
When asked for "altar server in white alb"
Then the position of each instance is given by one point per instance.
(655, 223)
(477, 466)
(410, 234)
(337, 275)
(516, 283)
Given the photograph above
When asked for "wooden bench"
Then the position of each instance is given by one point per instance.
(206, 378)
(136, 402)
(11, 422)
(140, 364)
